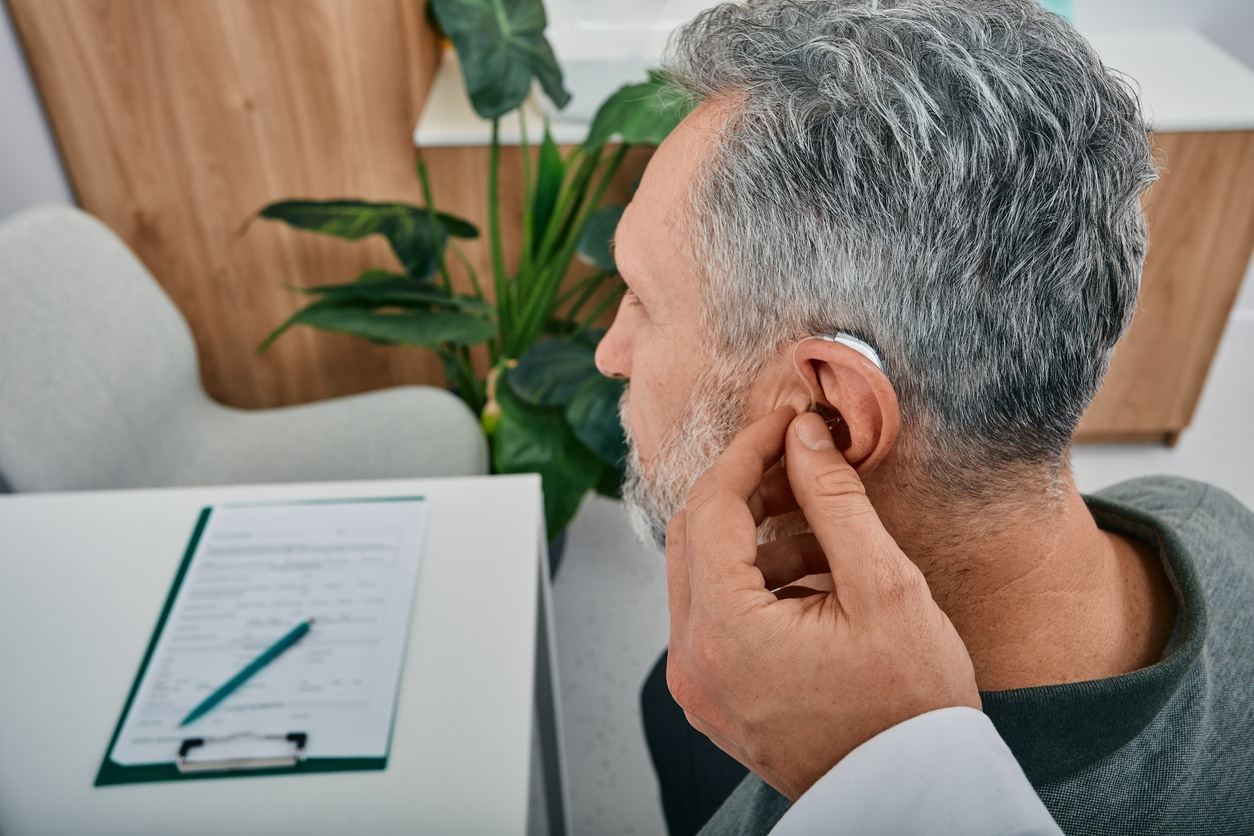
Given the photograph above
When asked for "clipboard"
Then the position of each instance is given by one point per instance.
(195, 757)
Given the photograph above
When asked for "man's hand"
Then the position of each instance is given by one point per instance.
(790, 683)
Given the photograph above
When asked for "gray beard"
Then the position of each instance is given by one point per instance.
(713, 417)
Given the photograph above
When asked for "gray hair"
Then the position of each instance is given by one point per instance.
(957, 182)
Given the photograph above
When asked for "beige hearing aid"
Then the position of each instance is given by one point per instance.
(829, 415)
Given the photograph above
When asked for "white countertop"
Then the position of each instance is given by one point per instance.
(1187, 83)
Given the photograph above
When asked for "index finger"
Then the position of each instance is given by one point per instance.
(720, 522)
(741, 467)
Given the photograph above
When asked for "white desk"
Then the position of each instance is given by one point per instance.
(83, 577)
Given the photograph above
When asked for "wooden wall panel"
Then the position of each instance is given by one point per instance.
(1201, 216)
(177, 119)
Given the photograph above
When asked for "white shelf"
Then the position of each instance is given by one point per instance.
(1186, 82)
(449, 120)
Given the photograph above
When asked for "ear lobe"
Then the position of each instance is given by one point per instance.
(870, 416)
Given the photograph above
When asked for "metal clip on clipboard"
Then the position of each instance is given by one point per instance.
(297, 739)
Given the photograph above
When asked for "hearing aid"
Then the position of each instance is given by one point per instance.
(830, 416)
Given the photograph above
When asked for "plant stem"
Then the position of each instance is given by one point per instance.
(588, 292)
(533, 317)
(569, 293)
(601, 307)
(529, 193)
(470, 269)
(437, 230)
(466, 369)
(571, 190)
(494, 239)
(461, 373)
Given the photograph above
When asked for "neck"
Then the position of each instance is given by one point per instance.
(1039, 594)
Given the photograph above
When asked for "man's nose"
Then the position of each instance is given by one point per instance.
(613, 355)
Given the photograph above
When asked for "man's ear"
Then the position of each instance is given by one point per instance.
(844, 383)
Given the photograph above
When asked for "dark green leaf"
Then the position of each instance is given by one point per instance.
(610, 482)
(641, 114)
(550, 373)
(598, 235)
(407, 228)
(412, 326)
(376, 274)
(593, 416)
(384, 289)
(531, 439)
(501, 46)
(588, 337)
(549, 176)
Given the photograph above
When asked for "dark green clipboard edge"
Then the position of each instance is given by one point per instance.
(112, 773)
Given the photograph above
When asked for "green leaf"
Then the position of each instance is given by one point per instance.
(382, 288)
(407, 228)
(641, 114)
(589, 338)
(593, 416)
(408, 326)
(531, 439)
(598, 235)
(610, 482)
(378, 274)
(501, 46)
(552, 372)
(549, 176)
(560, 374)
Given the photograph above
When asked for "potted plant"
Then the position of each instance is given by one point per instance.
(542, 403)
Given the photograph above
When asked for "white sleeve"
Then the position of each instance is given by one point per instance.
(941, 773)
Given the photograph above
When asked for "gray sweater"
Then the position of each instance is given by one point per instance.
(1168, 749)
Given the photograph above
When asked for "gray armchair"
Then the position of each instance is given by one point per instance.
(99, 387)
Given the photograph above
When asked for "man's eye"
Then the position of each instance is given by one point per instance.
(632, 299)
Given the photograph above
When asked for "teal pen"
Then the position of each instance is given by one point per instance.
(243, 676)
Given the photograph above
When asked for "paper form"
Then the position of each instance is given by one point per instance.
(257, 572)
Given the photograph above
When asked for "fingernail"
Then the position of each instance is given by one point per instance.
(813, 432)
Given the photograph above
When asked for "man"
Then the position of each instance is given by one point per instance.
(954, 186)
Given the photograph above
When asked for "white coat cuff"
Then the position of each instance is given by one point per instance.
(944, 772)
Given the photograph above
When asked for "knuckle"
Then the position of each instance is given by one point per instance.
(701, 510)
(697, 668)
(902, 587)
(681, 685)
(837, 483)
(699, 495)
(706, 653)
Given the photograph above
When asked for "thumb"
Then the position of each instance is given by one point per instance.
(835, 504)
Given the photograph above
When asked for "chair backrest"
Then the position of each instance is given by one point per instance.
(93, 354)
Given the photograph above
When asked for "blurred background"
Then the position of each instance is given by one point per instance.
(173, 122)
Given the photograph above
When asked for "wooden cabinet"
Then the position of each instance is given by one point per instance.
(1201, 215)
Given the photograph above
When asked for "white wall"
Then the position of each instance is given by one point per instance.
(1136, 15)
(30, 169)
(1230, 23)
